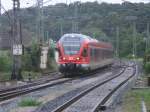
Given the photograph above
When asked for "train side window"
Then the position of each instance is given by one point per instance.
(91, 52)
(85, 52)
(95, 53)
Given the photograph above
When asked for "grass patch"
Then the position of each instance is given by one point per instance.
(4, 76)
(29, 102)
(132, 100)
(4, 52)
(34, 75)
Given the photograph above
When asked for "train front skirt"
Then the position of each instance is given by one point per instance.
(73, 68)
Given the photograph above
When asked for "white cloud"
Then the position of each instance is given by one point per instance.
(8, 4)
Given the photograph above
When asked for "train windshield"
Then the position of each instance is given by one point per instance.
(71, 46)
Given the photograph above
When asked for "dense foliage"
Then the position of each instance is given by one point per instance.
(96, 20)
(31, 58)
(147, 68)
(5, 62)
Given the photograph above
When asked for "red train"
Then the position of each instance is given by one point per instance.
(79, 52)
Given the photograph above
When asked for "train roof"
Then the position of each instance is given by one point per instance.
(82, 37)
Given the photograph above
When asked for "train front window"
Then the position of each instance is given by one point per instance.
(71, 47)
(71, 50)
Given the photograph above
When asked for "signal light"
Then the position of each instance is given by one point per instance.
(78, 58)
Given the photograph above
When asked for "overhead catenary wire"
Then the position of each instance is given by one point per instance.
(8, 15)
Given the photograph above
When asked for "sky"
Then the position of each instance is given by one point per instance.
(7, 4)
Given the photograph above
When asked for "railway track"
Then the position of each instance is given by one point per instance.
(32, 83)
(82, 94)
(103, 104)
(14, 92)
(9, 93)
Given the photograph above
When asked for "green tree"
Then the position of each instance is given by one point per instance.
(31, 58)
(94, 19)
(95, 33)
(5, 63)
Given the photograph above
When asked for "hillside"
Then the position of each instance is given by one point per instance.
(97, 20)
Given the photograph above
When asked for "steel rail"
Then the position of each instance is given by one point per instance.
(39, 82)
(101, 105)
(12, 94)
(83, 93)
(9, 93)
(36, 82)
(26, 87)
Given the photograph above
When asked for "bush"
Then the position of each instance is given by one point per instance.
(147, 67)
(35, 57)
(130, 56)
(51, 53)
(26, 62)
(5, 76)
(51, 63)
(5, 63)
(31, 58)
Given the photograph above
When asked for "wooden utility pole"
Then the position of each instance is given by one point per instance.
(17, 47)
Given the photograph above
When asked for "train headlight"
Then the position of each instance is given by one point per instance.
(64, 58)
(78, 58)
